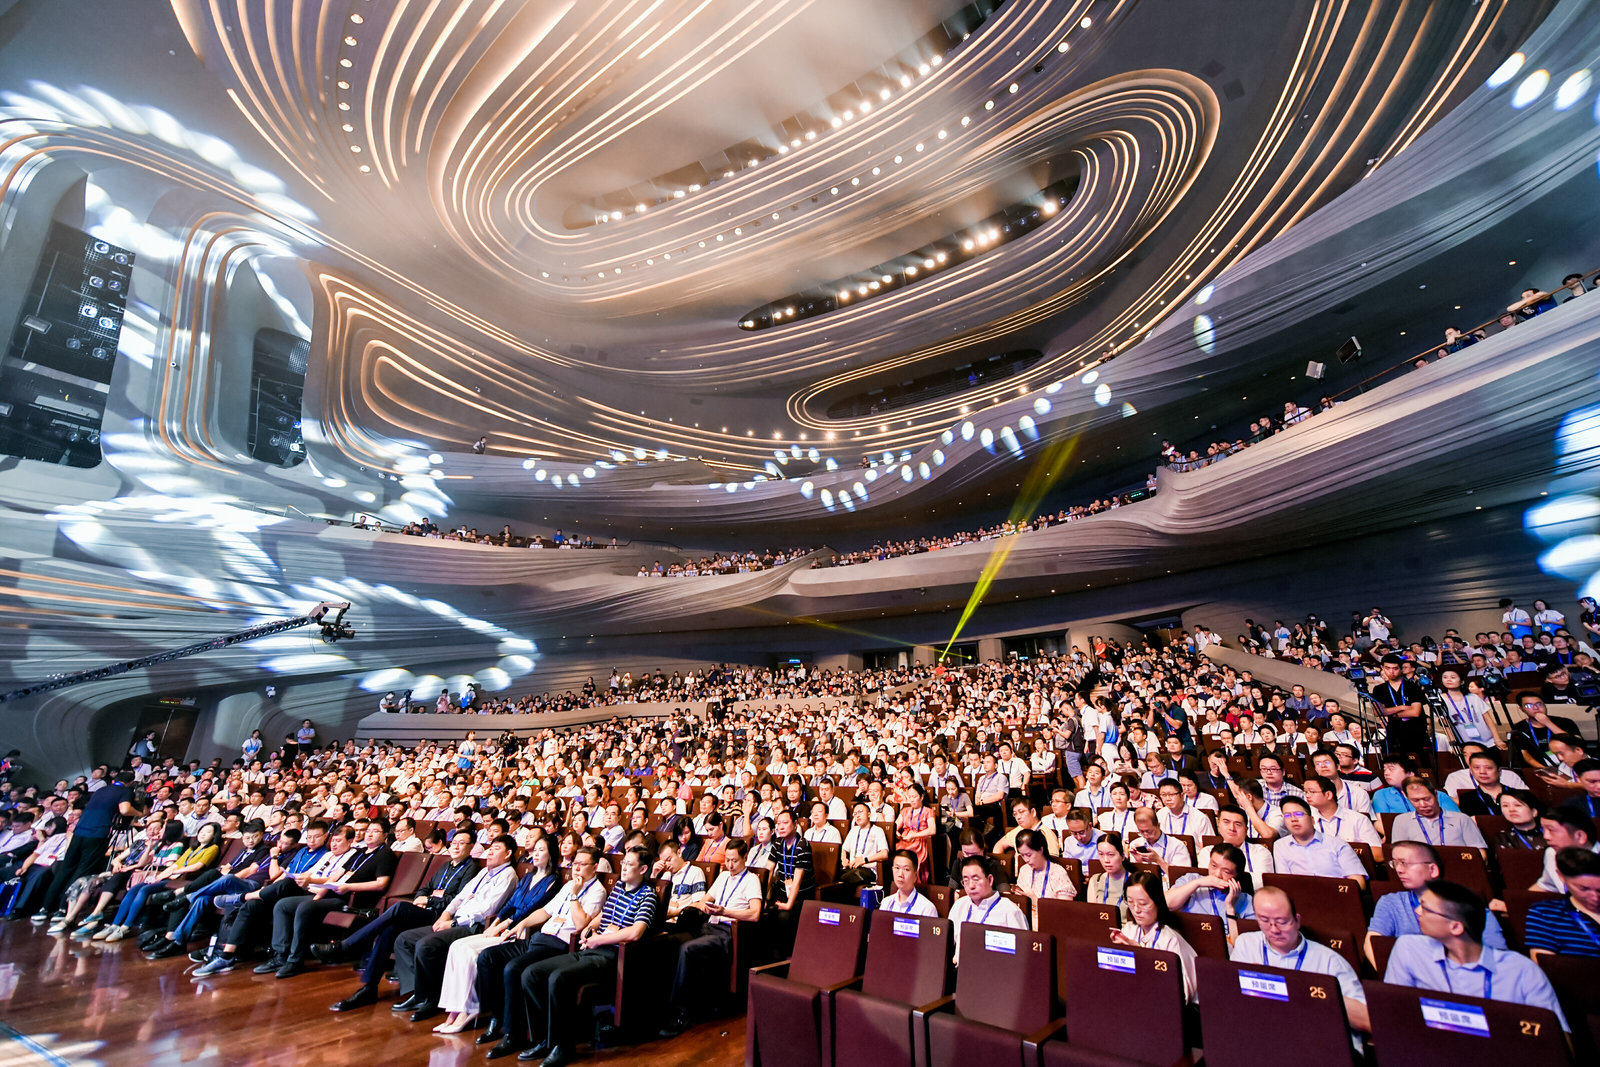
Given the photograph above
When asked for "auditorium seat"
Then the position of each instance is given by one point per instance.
(1577, 983)
(1124, 1006)
(1376, 949)
(908, 967)
(1451, 1033)
(1206, 934)
(1327, 903)
(1004, 999)
(788, 999)
(1079, 920)
(410, 869)
(1251, 1015)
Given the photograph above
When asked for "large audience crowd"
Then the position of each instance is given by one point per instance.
(1168, 784)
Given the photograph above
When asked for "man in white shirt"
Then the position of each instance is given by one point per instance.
(981, 904)
(905, 899)
(702, 975)
(572, 909)
(1335, 820)
(1015, 770)
(1279, 943)
(1429, 822)
(1176, 817)
(834, 804)
(1231, 826)
(1095, 792)
(1350, 796)
(1156, 846)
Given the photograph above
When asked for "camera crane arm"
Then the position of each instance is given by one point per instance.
(332, 630)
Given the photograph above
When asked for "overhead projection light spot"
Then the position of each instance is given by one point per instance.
(1572, 90)
(1530, 89)
(1507, 70)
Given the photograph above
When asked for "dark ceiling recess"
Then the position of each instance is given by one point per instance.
(1006, 225)
(915, 60)
(974, 374)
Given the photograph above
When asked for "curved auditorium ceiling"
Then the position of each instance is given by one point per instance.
(546, 222)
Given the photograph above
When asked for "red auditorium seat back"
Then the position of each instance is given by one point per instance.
(1253, 1015)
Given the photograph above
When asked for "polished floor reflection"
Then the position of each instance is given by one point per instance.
(85, 1004)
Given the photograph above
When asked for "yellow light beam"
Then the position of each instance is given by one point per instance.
(1044, 473)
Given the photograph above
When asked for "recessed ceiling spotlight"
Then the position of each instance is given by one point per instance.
(967, 244)
(855, 181)
(988, 105)
(920, 146)
(343, 84)
(911, 272)
(928, 263)
(368, 170)
(862, 291)
(966, 119)
(357, 19)
(848, 115)
(1063, 46)
(834, 190)
(875, 286)
(348, 128)
(897, 159)
(905, 81)
(844, 294)
(835, 122)
(677, 194)
(355, 148)
(719, 236)
(1087, 22)
(641, 208)
(936, 60)
(351, 41)
(883, 94)
(737, 230)
(774, 215)
(345, 63)
(943, 135)
(795, 143)
(887, 278)
(1013, 87)
(923, 69)
(876, 172)
(940, 257)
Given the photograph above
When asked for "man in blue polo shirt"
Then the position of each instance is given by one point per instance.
(1415, 864)
(1449, 956)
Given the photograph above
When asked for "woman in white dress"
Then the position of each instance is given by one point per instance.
(458, 995)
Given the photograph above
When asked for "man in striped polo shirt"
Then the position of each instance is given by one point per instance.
(552, 985)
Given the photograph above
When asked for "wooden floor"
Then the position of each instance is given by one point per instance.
(107, 1004)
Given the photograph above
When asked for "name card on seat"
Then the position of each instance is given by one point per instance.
(1458, 1018)
(1266, 986)
(1000, 941)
